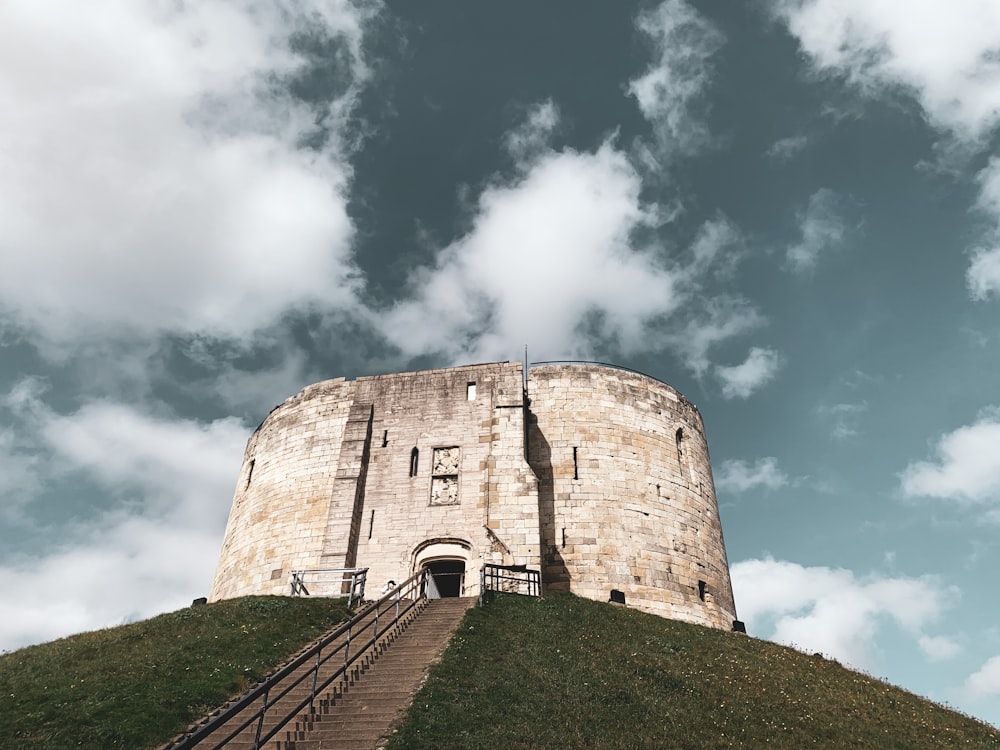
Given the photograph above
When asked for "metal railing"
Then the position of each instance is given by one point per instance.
(509, 579)
(331, 582)
(351, 641)
(609, 365)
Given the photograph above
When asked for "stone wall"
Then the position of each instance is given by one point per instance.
(327, 480)
(626, 495)
(392, 471)
(281, 506)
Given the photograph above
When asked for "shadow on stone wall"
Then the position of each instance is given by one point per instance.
(555, 576)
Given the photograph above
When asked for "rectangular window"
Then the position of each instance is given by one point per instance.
(470, 391)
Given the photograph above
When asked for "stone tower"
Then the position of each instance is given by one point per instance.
(597, 476)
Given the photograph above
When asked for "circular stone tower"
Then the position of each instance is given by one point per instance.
(596, 476)
(626, 497)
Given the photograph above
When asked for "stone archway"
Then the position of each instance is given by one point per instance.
(447, 561)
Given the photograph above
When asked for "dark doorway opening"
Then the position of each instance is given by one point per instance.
(447, 578)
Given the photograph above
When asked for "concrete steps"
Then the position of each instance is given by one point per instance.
(358, 711)
(366, 712)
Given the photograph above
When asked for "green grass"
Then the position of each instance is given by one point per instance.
(563, 672)
(137, 685)
(559, 672)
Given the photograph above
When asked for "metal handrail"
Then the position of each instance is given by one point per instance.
(511, 579)
(351, 579)
(609, 365)
(400, 601)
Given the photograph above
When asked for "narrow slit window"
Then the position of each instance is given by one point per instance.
(371, 524)
(385, 438)
(576, 468)
(414, 461)
(250, 473)
(470, 391)
(702, 586)
(679, 438)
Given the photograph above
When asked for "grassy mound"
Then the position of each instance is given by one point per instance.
(564, 672)
(137, 685)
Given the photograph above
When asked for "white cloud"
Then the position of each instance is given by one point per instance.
(759, 368)
(938, 648)
(983, 276)
(132, 569)
(821, 227)
(719, 319)
(172, 482)
(531, 138)
(832, 611)
(945, 55)
(985, 681)
(544, 253)
(19, 479)
(785, 148)
(554, 260)
(845, 417)
(671, 92)
(130, 451)
(967, 467)
(151, 177)
(740, 476)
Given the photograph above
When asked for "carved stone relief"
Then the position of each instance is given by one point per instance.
(444, 476)
(445, 461)
(444, 491)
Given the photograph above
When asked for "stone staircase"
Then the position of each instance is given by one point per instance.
(366, 712)
(361, 711)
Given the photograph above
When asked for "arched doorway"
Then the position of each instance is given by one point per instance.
(446, 579)
(446, 561)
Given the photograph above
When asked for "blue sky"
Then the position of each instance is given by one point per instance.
(787, 209)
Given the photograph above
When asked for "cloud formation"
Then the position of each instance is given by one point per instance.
(759, 368)
(983, 276)
(846, 418)
(152, 176)
(822, 228)
(671, 93)
(831, 611)
(787, 148)
(18, 473)
(986, 680)
(967, 466)
(947, 58)
(547, 255)
(170, 481)
(937, 647)
(738, 476)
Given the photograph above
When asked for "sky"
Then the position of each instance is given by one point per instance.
(789, 210)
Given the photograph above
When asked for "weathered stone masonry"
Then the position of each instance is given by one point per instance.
(601, 480)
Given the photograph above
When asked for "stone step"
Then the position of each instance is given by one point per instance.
(336, 690)
(368, 710)
(361, 709)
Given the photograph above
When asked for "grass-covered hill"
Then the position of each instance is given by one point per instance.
(136, 686)
(559, 672)
(564, 672)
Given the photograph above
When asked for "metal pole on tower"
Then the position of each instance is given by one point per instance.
(524, 371)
